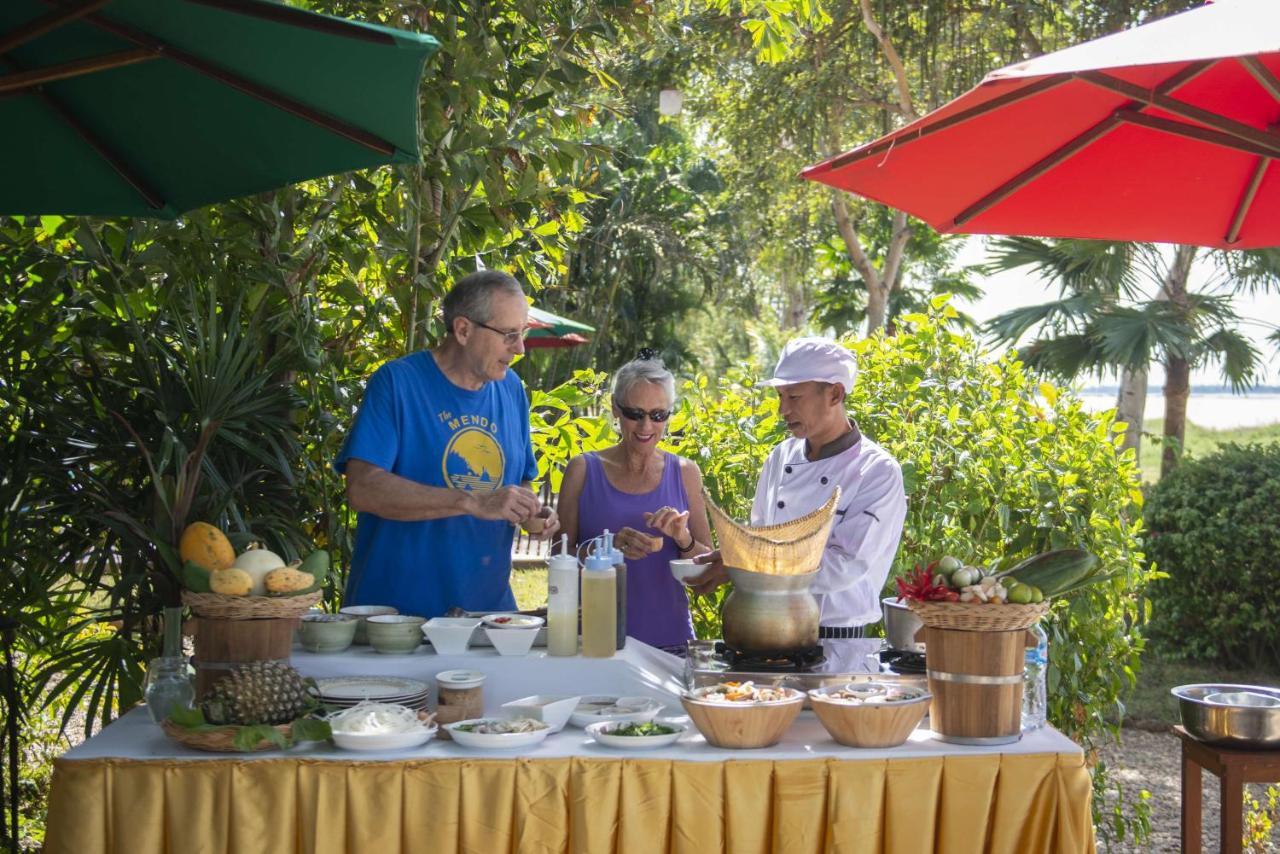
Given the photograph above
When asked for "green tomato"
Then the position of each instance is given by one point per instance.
(1021, 594)
(949, 564)
(1036, 595)
(963, 578)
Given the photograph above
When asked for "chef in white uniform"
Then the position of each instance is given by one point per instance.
(826, 450)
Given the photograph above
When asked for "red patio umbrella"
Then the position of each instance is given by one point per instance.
(1165, 132)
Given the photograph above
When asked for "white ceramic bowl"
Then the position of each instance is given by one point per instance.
(450, 635)
(602, 733)
(385, 740)
(628, 709)
(495, 741)
(552, 711)
(514, 621)
(684, 569)
(512, 641)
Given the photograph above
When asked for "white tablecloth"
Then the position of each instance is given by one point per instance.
(636, 670)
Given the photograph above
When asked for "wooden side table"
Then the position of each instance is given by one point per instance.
(1233, 768)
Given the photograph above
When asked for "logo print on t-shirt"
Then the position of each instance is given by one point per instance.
(473, 460)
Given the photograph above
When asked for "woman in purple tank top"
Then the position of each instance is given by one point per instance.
(651, 499)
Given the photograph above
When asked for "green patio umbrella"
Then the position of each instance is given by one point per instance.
(154, 107)
(552, 330)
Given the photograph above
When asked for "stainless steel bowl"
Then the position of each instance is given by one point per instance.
(1244, 718)
(900, 625)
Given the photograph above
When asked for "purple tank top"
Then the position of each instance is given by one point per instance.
(657, 605)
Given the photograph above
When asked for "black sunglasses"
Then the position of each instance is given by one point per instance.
(657, 416)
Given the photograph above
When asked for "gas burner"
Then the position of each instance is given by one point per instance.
(781, 661)
(901, 661)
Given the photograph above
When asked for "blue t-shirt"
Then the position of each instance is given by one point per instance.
(414, 422)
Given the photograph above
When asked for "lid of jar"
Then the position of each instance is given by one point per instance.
(460, 678)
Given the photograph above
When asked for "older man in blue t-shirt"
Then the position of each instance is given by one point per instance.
(439, 460)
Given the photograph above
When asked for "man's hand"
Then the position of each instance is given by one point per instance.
(635, 545)
(712, 577)
(670, 522)
(550, 525)
(515, 504)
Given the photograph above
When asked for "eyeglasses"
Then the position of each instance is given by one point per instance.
(657, 416)
(508, 338)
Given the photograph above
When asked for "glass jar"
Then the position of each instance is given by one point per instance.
(169, 684)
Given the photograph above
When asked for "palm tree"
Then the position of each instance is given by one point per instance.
(1106, 319)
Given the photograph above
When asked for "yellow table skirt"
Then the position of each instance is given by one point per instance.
(1005, 804)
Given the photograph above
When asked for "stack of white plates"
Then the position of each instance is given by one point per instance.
(345, 691)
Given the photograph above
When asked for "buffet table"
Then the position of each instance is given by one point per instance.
(130, 789)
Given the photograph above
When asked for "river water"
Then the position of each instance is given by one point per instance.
(1216, 410)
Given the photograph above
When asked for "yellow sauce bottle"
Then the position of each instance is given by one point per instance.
(599, 602)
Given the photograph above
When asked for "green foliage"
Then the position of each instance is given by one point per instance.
(1215, 532)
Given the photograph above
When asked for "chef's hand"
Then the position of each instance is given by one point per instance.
(670, 522)
(512, 503)
(712, 577)
(634, 544)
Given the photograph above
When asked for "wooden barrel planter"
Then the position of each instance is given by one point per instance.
(235, 630)
(976, 680)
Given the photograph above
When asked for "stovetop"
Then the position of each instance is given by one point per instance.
(781, 661)
(842, 660)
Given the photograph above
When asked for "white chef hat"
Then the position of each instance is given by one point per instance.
(815, 360)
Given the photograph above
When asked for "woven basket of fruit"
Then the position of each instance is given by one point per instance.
(263, 705)
(949, 595)
(220, 606)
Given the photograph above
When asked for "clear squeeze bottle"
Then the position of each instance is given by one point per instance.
(599, 601)
(620, 569)
(562, 601)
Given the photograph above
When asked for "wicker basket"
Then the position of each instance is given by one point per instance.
(791, 548)
(220, 740)
(222, 607)
(978, 616)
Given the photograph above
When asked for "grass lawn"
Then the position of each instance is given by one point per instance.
(1151, 703)
(1200, 442)
(530, 587)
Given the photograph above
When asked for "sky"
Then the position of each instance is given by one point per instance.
(1017, 288)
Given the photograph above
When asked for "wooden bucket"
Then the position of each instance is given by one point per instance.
(222, 645)
(976, 680)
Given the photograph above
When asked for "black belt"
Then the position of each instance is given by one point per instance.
(834, 632)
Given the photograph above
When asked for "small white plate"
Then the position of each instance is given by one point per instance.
(513, 621)
(602, 733)
(623, 709)
(369, 687)
(495, 741)
(385, 740)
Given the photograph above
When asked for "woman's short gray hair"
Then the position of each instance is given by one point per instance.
(472, 296)
(643, 371)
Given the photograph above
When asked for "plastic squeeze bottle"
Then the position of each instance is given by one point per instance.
(599, 602)
(620, 570)
(562, 601)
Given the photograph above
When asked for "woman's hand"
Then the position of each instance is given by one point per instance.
(635, 545)
(671, 523)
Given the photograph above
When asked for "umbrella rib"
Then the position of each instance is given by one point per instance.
(1263, 75)
(1179, 108)
(13, 84)
(1246, 201)
(262, 93)
(47, 23)
(1199, 134)
(300, 18)
(1035, 170)
(942, 124)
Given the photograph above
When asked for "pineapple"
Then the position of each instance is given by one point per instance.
(261, 692)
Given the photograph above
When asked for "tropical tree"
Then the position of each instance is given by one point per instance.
(1122, 306)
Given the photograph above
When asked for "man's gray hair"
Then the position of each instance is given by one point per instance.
(472, 296)
(643, 371)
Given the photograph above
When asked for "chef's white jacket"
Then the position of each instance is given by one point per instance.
(867, 528)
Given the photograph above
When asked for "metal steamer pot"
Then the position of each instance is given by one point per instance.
(770, 613)
(900, 625)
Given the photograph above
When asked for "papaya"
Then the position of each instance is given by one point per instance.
(230, 582)
(1055, 572)
(287, 581)
(204, 544)
(195, 577)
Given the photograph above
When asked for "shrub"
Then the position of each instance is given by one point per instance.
(1216, 533)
